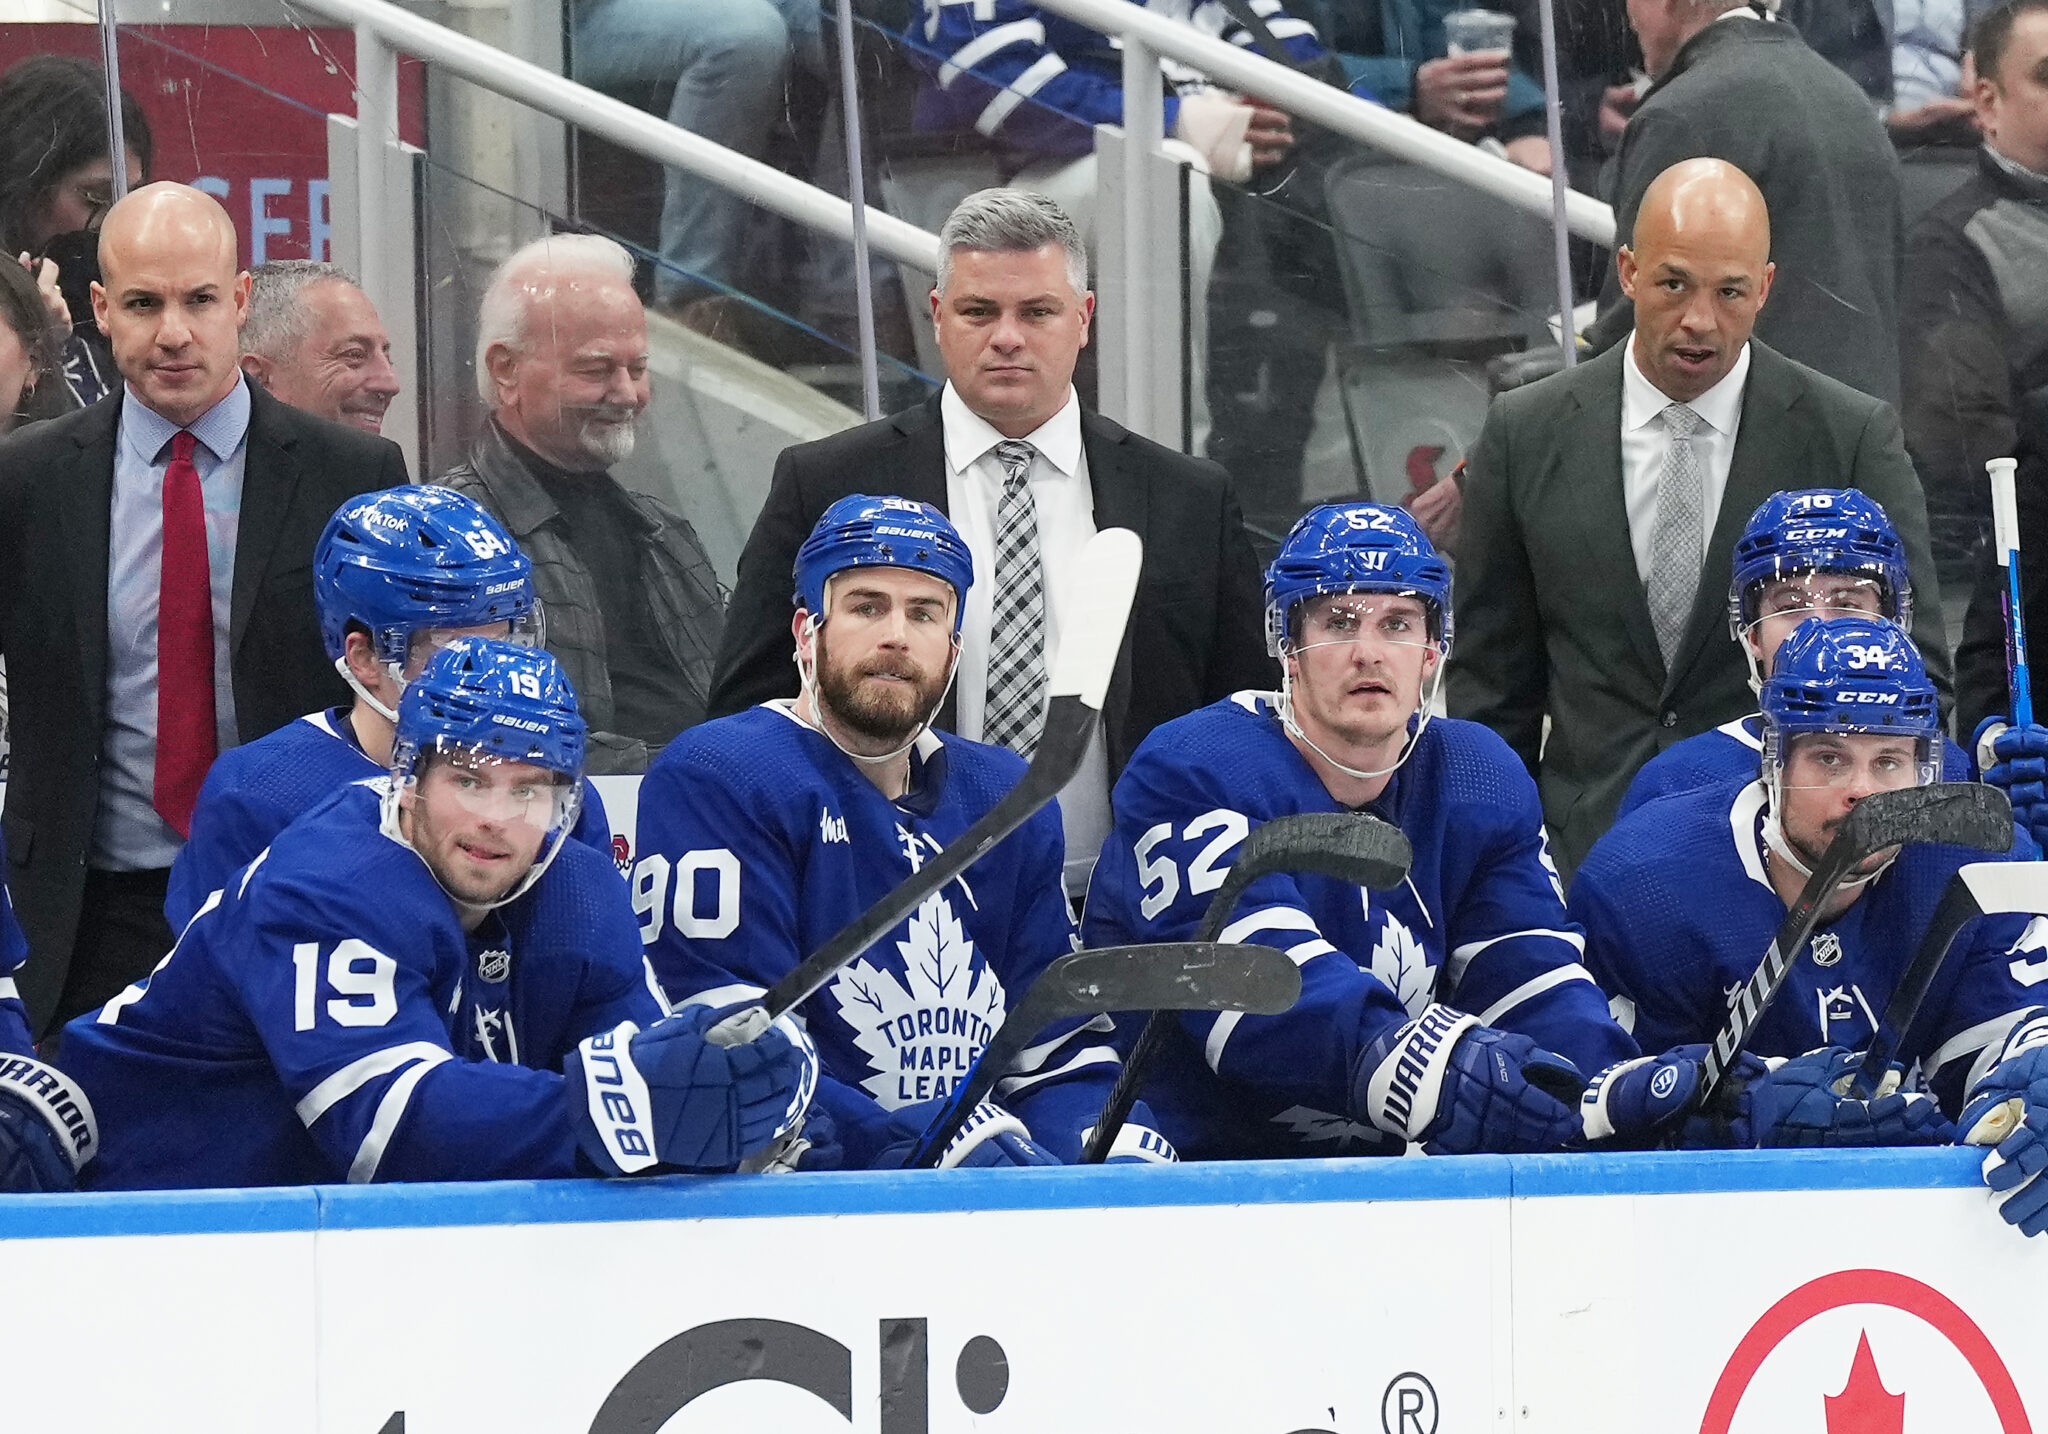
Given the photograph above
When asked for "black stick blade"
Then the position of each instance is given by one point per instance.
(1349, 846)
(1177, 976)
(1971, 814)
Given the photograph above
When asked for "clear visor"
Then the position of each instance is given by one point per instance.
(1368, 620)
(1850, 759)
(1810, 594)
(491, 789)
(521, 631)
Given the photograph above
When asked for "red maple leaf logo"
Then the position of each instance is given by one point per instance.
(1864, 1406)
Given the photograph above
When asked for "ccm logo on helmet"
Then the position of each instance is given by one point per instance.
(1880, 699)
(1814, 535)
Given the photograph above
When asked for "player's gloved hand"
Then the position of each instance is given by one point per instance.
(47, 1130)
(1137, 1143)
(1804, 1103)
(1462, 1088)
(1635, 1105)
(990, 1136)
(2008, 1108)
(2015, 759)
(666, 1096)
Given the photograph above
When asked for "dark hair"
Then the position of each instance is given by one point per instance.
(1994, 32)
(53, 118)
(23, 311)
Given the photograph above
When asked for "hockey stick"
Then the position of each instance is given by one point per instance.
(1362, 850)
(1106, 579)
(2005, 528)
(1169, 976)
(1954, 813)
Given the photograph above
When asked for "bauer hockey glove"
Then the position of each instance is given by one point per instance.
(990, 1136)
(2015, 759)
(47, 1131)
(1462, 1088)
(668, 1097)
(2008, 1108)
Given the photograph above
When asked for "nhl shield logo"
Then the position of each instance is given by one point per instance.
(493, 966)
(1827, 949)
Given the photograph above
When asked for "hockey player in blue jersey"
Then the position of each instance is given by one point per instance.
(1681, 898)
(1452, 1010)
(397, 574)
(763, 833)
(427, 982)
(1815, 552)
(46, 1124)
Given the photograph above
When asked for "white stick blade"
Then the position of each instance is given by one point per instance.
(2005, 518)
(1105, 581)
(2008, 887)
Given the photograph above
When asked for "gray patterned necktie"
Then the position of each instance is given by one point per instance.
(1675, 546)
(1015, 711)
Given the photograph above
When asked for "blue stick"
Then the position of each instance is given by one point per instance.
(2006, 534)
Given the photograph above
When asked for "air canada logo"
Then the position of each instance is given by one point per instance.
(1853, 1353)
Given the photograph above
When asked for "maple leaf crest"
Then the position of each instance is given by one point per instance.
(1401, 964)
(927, 1012)
(1865, 1406)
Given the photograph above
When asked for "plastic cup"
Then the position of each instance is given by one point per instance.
(1478, 32)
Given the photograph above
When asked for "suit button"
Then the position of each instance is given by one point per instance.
(1669, 719)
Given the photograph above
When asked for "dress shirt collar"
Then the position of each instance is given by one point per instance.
(1642, 402)
(969, 436)
(1747, 12)
(221, 428)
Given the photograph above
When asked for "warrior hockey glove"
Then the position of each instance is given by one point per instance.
(47, 1131)
(990, 1136)
(665, 1096)
(1462, 1088)
(2008, 1108)
(1804, 1103)
(1635, 1105)
(2016, 760)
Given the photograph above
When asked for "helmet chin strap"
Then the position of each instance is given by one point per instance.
(387, 823)
(1774, 838)
(807, 678)
(348, 676)
(1425, 707)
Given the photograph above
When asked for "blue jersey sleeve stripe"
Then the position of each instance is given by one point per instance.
(1020, 89)
(654, 986)
(1032, 1057)
(1272, 918)
(359, 1073)
(1087, 1056)
(1307, 951)
(1529, 990)
(989, 42)
(1982, 1036)
(1219, 1036)
(1463, 956)
(390, 1110)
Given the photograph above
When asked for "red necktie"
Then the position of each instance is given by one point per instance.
(185, 739)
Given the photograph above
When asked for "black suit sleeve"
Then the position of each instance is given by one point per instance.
(1499, 670)
(1885, 472)
(1238, 661)
(757, 656)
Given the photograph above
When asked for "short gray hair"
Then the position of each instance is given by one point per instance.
(530, 275)
(1011, 221)
(276, 325)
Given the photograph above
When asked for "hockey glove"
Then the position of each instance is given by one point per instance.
(665, 1096)
(1462, 1088)
(2008, 1108)
(47, 1131)
(2015, 759)
(1136, 1144)
(991, 1136)
(1636, 1105)
(1804, 1103)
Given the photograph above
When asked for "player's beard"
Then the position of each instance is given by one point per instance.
(885, 714)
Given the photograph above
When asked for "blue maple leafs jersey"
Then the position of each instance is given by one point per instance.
(1729, 756)
(1678, 911)
(759, 840)
(1479, 924)
(325, 1017)
(254, 791)
(14, 1033)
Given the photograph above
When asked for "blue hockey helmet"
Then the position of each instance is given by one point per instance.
(1831, 530)
(418, 557)
(1855, 676)
(1356, 547)
(491, 699)
(860, 531)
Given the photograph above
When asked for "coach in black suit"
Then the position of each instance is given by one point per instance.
(100, 572)
(1006, 447)
(1603, 505)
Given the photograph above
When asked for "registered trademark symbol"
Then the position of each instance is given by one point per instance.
(1408, 1406)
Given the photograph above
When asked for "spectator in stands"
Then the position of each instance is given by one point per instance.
(1394, 51)
(1603, 504)
(1006, 447)
(156, 595)
(314, 341)
(1933, 98)
(30, 342)
(56, 181)
(727, 61)
(1976, 345)
(633, 610)
(1734, 83)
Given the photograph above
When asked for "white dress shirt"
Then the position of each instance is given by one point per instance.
(1644, 444)
(1065, 503)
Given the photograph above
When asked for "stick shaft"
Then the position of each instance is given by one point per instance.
(1951, 914)
(2006, 538)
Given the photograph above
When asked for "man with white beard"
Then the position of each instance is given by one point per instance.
(632, 608)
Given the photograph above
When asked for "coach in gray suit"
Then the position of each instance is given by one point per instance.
(1603, 503)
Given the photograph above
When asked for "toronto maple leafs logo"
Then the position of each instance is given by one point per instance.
(924, 1025)
(1401, 965)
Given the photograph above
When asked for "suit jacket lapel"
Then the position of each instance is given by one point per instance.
(1122, 498)
(921, 473)
(1595, 430)
(86, 504)
(270, 480)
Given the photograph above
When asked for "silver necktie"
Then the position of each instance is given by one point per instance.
(1675, 546)
(1014, 714)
